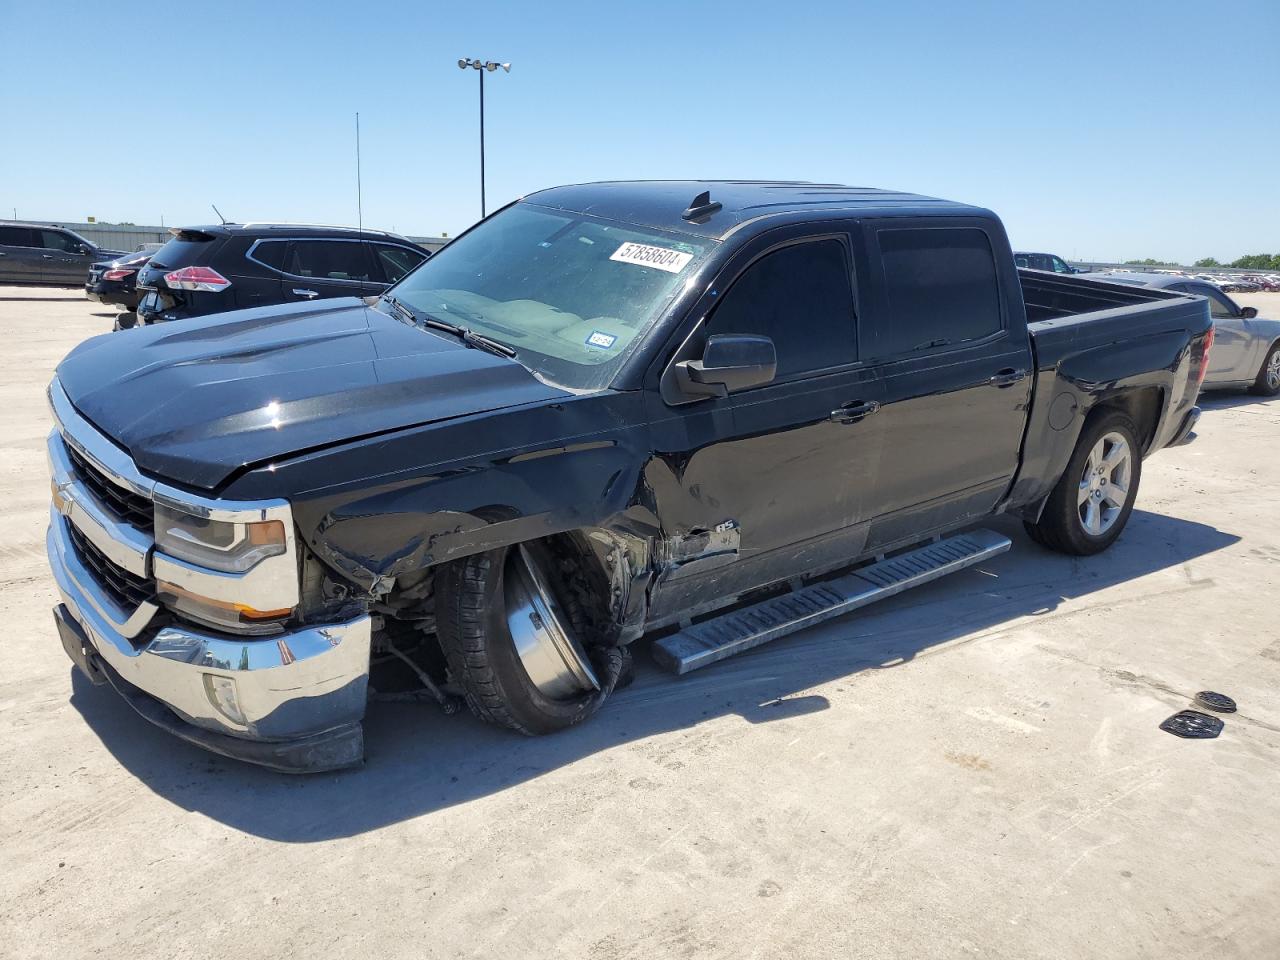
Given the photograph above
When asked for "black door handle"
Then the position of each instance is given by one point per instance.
(1007, 377)
(854, 411)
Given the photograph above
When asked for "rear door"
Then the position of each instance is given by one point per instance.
(20, 257)
(956, 372)
(316, 269)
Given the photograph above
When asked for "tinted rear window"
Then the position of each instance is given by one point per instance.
(17, 237)
(940, 288)
(181, 253)
(329, 259)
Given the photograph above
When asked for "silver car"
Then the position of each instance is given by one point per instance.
(1246, 347)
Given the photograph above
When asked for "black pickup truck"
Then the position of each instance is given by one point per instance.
(716, 412)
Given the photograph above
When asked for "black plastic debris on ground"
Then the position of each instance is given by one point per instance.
(1218, 702)
(1193, 725)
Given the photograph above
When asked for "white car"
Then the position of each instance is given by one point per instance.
(1246, 347)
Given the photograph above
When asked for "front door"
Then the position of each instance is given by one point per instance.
(1232, 342)
(66, 260)
(769, 483)
(956, 368)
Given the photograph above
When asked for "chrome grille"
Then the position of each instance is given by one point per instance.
(127, 589)
(127, 506)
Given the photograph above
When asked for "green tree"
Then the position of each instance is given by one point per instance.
(1146, 263)
(1207, 262)
(1256, 261)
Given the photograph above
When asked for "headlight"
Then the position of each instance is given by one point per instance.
(217, 544)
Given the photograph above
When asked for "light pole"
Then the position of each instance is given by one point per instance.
(482, 66)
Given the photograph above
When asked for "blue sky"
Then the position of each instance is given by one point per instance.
(1098, 130)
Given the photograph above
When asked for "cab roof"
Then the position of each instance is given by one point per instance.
(664, 204)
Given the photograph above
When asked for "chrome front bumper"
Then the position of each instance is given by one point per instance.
(291, 700)
(303, 691)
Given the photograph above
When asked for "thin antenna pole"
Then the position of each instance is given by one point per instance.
(483, 210)
(359, 184)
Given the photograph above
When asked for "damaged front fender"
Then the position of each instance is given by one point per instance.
(395, 505)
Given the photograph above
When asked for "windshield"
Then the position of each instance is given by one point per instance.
(569, 293)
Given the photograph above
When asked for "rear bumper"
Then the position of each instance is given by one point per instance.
(291, 701)
(116, 296)
(1184, 434)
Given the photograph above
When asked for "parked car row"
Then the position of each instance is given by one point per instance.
(707, 413)
(1249, 284)
(1229, 283)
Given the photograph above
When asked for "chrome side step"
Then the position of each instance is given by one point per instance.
(712, 640)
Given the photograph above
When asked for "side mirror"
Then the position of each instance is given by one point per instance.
(730, 362)
(83, 250)
(1248, 313)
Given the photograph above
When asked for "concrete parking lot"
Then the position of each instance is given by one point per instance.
(974, 768)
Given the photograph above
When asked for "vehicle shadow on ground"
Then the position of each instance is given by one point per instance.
(420, 761)
(1229, 399)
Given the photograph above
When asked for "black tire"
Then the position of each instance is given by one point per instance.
(1060, 526)
(1260, 386)
(472, 629)
(125, 321)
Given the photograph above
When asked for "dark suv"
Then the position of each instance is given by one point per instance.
(232, 266)
(43, 253)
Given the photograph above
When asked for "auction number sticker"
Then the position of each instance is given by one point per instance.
(672, 261)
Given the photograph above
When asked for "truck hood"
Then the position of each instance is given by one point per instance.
(197, 400)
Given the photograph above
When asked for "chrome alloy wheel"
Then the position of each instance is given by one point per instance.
(1273, 371)
(1104, 486)
(542, 632)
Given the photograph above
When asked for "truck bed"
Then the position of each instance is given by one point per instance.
(1067, 316)
(1051, 296)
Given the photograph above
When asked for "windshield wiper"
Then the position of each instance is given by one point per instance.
(469, 338)
(401, 309)
(481, 342)
(476, 341)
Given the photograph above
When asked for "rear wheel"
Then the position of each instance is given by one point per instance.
(1092, 501)
(516, 637)
(125, 321)
(1268, 382)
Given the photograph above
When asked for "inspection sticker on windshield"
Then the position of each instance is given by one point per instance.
(672, 261)
(599, 338)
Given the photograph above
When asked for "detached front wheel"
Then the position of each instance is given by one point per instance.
(516, 639)
(1092, 501)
